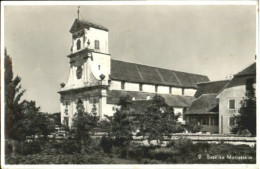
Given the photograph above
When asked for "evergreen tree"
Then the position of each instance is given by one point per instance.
(82, 125)
(13, 111)
(122, 128)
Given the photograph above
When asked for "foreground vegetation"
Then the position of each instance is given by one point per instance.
(104, 151)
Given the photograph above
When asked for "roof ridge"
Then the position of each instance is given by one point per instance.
(213, 81)
(158, 67)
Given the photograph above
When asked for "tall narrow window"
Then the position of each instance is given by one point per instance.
(170, 90)
(156, 88)
(78, 44)
(99, 67)
(96, 44)
(232, 104)
(122, 85)
(140, 87)
(182, 91)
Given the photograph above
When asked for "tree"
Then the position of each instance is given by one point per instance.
(246, 119)
(158, 121)
(22, 118)
(122, 128)
(192, 126)
(35, 122)
(82, 125)
(13, 94)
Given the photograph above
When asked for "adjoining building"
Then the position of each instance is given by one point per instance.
(218, 102)
(231, 96)
(96, 81)
(204, 110)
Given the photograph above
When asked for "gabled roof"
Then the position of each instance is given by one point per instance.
(79, 24)
(132, 72)
(205, 104)
(172, 100)
(237, 80)
(210, 87)
(250, 70)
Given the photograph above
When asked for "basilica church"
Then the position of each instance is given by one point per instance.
(97, 81)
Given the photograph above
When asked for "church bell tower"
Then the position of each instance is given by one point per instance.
(89, 62)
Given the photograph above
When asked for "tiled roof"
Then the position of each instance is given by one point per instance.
(86, 24)
(210, 87)
(205, 104)
(133, 72)
(172, 100)
(250, 70)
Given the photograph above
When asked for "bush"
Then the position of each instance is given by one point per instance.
(106, 143)
(161, 153)
(183, 145)
(137, 152)
(69, 147)
(29, 148)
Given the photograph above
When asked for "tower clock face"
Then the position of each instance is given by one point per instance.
(79, 72)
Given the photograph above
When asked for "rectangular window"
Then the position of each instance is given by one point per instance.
(170, 90)
(140, 87)
(182, 91)
(96, 44)
(122, 85)
(156, 88)
(232, 104)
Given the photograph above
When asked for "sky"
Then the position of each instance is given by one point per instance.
(217, 41)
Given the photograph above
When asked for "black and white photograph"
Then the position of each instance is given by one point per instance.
(85, 84)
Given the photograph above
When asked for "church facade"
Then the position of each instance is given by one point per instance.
(97, 81)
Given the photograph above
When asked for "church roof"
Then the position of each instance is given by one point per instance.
(172, 100)
(78, 24)
(205, 104)
(132, 72)
(210, 87)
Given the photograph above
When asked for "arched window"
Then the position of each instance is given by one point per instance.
(78, 45)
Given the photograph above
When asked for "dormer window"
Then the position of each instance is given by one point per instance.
(96, 44)
(78, 44)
